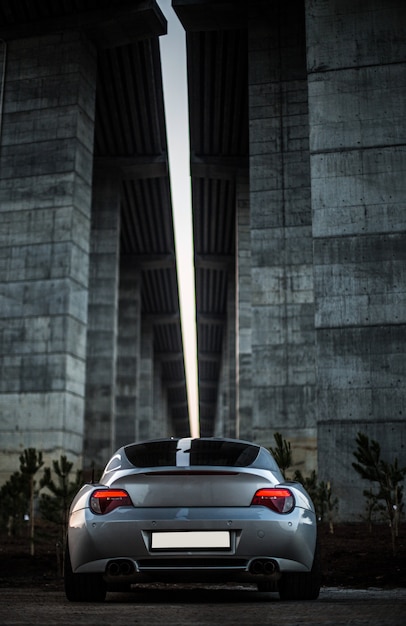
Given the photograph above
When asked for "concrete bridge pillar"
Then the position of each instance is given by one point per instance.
(243, 314)
(146, 395)
(357, 103)
(103, 320)
(46, 156)
(225, 422)
(159, 425)
(129, 352)
(283, 342)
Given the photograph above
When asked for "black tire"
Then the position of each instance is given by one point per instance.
(298, 586)
(82, 587)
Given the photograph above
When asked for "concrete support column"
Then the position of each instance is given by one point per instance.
(357, 104)
(145, 413)
(283, 368)
(103, 321)
(231, 421)
(129, 353)
(46, 156)
(225, 422)
(243, 315)
(159, 426)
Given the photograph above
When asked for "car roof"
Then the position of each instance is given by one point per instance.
(192, 452)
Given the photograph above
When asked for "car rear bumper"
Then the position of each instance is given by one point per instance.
(256, 534)
(171, 569)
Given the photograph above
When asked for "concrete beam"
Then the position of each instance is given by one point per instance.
(107, 27)
(218, 167)
(150, 262)
(211, 319)
(211, 14)
(133, 168)
(214, 262)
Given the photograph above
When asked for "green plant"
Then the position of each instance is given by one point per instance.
(320, 492)
(322, 496)
(14, 498)
(308, 482)
(282, 453)
(387, 477)
(326, 503)
(30, 462)
(54, 506)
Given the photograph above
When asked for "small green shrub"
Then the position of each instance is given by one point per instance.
(282, 453)
(54, 506)
(14, 498)
(319, 491)
(30, 462)
(387, 478)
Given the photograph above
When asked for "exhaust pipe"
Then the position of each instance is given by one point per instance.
(120, 568)
(266, 567)
(257, 567)
(126, 568)
(113, 569)
(269, 568)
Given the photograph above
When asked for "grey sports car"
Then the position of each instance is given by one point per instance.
(204, 510)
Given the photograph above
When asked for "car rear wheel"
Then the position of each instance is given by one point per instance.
(82, 587)
(298, 586)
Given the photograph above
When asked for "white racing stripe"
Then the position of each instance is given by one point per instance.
(183, 452)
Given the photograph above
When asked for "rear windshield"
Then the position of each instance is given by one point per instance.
(202, 452)
(152, 454)
(229, 453)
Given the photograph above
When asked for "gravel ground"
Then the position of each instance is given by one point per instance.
(190, 605)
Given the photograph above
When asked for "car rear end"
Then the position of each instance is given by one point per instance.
(192, 509)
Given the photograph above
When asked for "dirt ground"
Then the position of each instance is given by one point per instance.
(351, 557)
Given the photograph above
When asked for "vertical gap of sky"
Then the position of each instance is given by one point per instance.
(173, 55)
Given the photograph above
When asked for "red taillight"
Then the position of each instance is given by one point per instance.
(105, 500)
(279, 500)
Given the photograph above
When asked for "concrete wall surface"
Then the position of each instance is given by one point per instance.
(282, 293)
(321, 244)
(45, 190)
(357, 130)
(314, 332)
(83, 168)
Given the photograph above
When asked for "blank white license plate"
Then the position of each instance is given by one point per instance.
(191, 539)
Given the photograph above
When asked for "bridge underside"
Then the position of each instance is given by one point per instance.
(297, 129)
(297, 133)
(91, 345)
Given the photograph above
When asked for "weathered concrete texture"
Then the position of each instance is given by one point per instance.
(100, 412)
(343, 34)
(357, 86)
(225, 421)
(360, 280)
(231, 341)
(359, 193)
(160, 425)
(128, 352)
(45, 189)
(146, 396)
(152, 418)
(336, 442)
(243, 315)
(283, 341)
